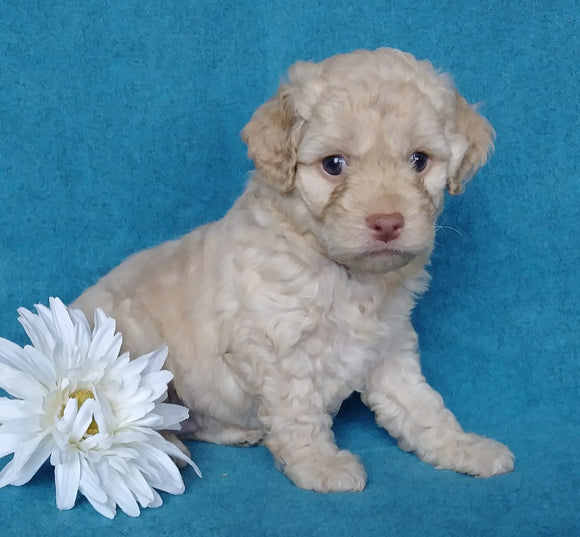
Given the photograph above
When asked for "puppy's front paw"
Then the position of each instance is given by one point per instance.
(478, 456)
(340, 472)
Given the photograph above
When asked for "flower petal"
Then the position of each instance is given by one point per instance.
(150, 443)
(13, 408)
(156, 359)
(63, 323)
(117, 488)
(157, 500)
(90, 485)
(42, 332)
(82, 337)
(9, 443)
(67, 478)
(176, 453)
(27, 360)
(139, 487)
(78, 317)
(42, 367)
(35, 328)
(157, 382)
(135, 407)
(133, 370)
(103, 415)
(159, 470)
(123, 496)
(166, 416)
(172, 414)
(107, 508)
(66, 422)
(27, 460)
(83, 419)
(13, 355)
(82, 330)
(105, 344)
(26, 427)
(19, 384)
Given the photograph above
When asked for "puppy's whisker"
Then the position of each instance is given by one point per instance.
(438, 227)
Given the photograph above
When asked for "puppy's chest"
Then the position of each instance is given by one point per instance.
(336, 331)
(349, 334)
(323, 327)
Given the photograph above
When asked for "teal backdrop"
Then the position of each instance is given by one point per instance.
(119, 129)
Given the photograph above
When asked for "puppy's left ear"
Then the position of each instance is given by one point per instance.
(477, 137)
(271, 136)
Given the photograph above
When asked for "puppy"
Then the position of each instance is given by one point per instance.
(302, 293)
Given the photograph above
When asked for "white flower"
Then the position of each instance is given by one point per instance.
(93, 412)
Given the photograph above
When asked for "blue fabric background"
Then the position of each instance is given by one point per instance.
(119, 129)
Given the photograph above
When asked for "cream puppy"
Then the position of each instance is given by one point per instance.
(302, 293)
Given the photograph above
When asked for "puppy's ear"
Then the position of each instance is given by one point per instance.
(271, 136)
(477, 137)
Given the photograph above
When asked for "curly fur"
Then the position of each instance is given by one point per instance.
(279, 311)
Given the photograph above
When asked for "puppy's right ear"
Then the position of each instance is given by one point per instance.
(272, 139)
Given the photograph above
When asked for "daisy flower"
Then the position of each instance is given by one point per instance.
(94, 414)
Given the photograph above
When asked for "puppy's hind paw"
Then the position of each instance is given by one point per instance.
(340, 472)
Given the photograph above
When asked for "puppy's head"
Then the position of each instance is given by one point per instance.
(368, 142)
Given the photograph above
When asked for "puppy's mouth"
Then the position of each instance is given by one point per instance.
(383, 259)
(388, 252)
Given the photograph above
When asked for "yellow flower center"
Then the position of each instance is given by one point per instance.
(81, 396)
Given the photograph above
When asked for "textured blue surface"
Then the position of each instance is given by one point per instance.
(119, 128)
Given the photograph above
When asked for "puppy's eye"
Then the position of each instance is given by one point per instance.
(419, 161)
(334, 165)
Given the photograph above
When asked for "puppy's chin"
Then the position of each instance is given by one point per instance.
(378, 264)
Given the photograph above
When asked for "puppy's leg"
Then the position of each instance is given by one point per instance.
(411, 411)
(207, 429)
(299, 436)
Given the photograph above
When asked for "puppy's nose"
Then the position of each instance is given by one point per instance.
(386, 227)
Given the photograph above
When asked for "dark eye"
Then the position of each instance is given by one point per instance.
(334, 165)
(419, 161)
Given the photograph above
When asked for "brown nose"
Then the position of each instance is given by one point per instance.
(386, 227)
